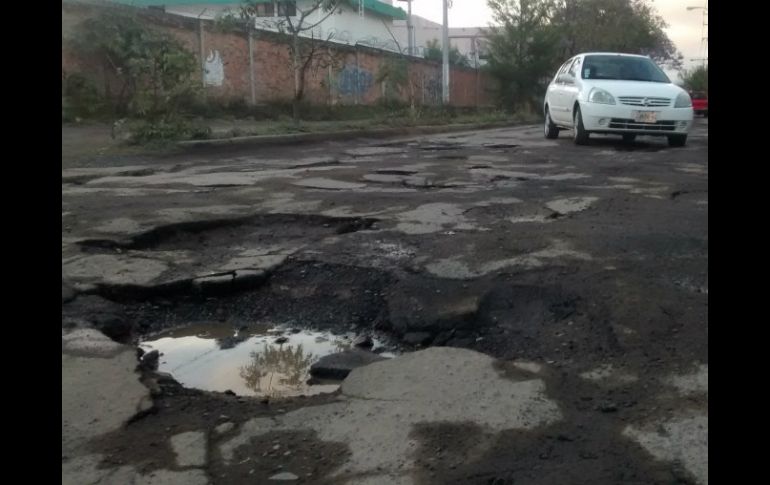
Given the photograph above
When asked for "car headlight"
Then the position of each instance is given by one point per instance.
(683, 101)
(600, 96)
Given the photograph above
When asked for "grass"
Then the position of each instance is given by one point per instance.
(244, 127)
(89, 141)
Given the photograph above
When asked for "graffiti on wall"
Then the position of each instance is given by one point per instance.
(215, 69)
(432, 90)
(353, 80)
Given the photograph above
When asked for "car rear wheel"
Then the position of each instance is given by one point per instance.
(629, 137)
(677, 140)
(581, 135)
(551, 130)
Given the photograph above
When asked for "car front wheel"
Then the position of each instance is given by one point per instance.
(677, 140)
(581, 135)
(551, 130)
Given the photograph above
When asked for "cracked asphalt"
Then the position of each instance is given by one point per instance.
(550, 302)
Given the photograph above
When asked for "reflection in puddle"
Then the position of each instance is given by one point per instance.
(287, 364)
(257, 361)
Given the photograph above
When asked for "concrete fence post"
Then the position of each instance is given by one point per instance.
(251, 68)
(201, 49)
(331, 78)
(358, 78)
(422, 88)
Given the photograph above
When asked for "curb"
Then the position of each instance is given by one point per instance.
(298, 138)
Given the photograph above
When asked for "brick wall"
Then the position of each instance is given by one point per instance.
(226, 56)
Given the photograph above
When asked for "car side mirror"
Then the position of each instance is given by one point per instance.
(566, 79)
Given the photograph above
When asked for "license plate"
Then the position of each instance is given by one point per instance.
(645, 116)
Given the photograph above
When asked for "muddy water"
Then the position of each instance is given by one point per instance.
(250, 362)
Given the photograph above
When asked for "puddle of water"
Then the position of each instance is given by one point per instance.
(251, 362)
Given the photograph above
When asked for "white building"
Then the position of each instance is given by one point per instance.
(468, 40)
(363, 22)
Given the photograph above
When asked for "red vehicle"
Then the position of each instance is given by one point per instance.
(700, 103)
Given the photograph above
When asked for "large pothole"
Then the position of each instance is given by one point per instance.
(228, 341)
(252, 229)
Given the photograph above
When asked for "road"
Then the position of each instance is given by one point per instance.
(561, 293)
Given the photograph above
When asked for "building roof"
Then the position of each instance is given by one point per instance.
(174, 3)
(375, 6)
(381, 8)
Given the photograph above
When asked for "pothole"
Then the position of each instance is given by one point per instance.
(396, 172)
(78, 179)
(453, 156)
(143, 172)
(252, 228)
(257, 360)
(441, 146)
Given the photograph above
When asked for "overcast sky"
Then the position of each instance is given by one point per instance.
(684, 27)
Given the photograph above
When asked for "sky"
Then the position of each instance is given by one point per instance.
(684, 27)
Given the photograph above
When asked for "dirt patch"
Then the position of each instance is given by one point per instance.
(144, 442)
(568, 451)
(299, 453)
(443, 447)
(563, 455)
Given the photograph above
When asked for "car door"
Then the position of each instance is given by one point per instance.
(555, 94)
(571, 88)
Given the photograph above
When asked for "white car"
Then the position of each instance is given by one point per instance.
(621, 94)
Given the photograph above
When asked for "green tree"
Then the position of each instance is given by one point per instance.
(522, 49)
(394, 73)
(696, 79)
(434, 52)
(630, 26)
(532, 37)
(153, 71)
(305, 53)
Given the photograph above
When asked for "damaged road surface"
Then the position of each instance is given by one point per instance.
(485, 307)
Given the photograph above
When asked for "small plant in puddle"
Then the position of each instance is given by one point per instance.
(275, 370)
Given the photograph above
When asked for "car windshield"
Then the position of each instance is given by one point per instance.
(622, 68)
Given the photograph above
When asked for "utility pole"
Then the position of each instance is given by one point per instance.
(409, 29)
(704, 36)
(445, 51)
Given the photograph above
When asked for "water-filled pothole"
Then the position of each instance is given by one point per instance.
(259, 360)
